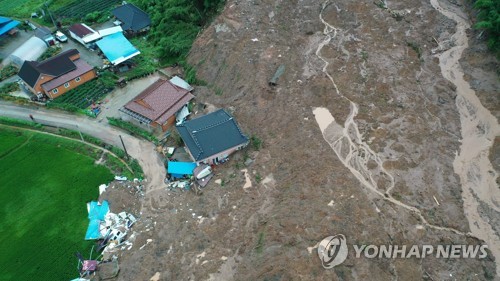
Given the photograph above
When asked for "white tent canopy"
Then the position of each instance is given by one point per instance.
(32, 49)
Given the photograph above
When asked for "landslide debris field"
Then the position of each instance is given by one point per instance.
(360, 137)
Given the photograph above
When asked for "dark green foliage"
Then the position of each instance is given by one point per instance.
(136, 168)
(96, 17)
(489, 19)
(50, 52)
(8, 71)
(176, 23)
(191, 74)
(108, 79)
(83, 96)
(9, 87)
(132, 129)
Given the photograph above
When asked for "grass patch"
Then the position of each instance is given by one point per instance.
(132, 129)
(45, 185)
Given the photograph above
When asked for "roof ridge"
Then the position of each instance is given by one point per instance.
(153, 87)
(217, 123)
(195, 139)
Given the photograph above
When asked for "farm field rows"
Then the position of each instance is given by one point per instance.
(24, 8)
(83, 96)
(45, 185)
(79, 9)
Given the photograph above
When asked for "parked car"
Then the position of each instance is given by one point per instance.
(61, 37)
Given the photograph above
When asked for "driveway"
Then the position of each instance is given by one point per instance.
(139, 149)
(120, 96)
(91, 57)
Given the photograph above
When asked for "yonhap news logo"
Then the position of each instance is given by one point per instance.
(333, 250)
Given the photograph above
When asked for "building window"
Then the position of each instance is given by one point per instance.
(77, 79)
(55, 91)
(66, 85)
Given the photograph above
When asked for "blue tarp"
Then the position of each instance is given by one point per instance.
(7, 24)
(96, 215)
(117, 48)
(179, 169)
(4, 20)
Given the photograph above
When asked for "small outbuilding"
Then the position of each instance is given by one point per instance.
(7, 26)
(83, 33)
(117, 48)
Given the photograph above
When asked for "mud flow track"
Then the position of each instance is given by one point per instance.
(472, 164)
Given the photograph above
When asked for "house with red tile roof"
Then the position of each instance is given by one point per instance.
(158, 104)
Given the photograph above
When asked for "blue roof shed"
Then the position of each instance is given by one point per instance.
(7, 24)
(117, 48)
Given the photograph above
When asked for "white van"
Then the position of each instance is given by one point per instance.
(61, 37)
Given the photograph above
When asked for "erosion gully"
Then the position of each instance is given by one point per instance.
(478, 128)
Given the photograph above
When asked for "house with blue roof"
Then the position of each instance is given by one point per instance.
(211, 138)
(7, 25)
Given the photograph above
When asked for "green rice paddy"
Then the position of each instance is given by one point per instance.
(44, 185)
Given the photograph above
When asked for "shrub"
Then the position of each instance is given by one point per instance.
(19, 123)
(9, 87)
(255, 142)
(132, 129)
(50, 52)
(8, 71)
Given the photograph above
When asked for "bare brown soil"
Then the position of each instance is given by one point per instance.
(301, 192)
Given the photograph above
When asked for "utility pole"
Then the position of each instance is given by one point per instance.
(50, 14)
(81, 136)
(124, 148)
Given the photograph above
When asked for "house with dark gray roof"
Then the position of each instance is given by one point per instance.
(56, 75)
(133, 19)
(211, 138)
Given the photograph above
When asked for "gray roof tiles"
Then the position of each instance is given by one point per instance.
(211, 134)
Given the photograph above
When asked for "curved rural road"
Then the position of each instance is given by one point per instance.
(141, 150)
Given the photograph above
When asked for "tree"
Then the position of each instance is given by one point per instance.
(489, 20)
